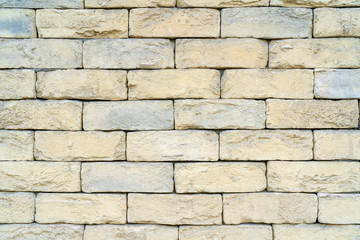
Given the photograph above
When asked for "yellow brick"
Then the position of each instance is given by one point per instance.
(128, 3)
(221, 3)
(315, 3)
(17, 207)
(16, 145)
(17, 84)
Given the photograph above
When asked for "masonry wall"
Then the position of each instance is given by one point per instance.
(189, 120)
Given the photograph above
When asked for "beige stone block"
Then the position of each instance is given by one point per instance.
(79, 146)
(128, 115)
(81, 208)
(339, 208)
(17, 23)
(312, 114)
(266, 145)
(17, 207)
(270, 208)
(315, 53)
(315, 3)
(175, 209)
(131, 232)
(219, 114)
(267, 83)
(42, 3)
(221, 53)
(313, 176)
(89, 84)
(174, 83)
(40, 176)
(17, 84)
(316, 232)
(128, 53)
(128, 3)
(16, 145)
(41, 232)
(190, 145)
(221, 3)
(219, 177)
(72, 23)
(38, 114)
(127, 177)
(40, 53)
(174, 22)
(239, 232)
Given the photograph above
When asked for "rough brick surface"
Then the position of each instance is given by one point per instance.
(16, 145)
(17, 207)
(42, 3)
(315, 3)
(221, 3)
(17, 23)
(128, 3)
(17, 84)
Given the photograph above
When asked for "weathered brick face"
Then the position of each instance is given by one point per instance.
(179, 119)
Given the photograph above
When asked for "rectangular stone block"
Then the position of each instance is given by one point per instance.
(221, 3)
(42, 3)
(17, 84)
(38, 114)
(270, 208)
(41, 231)
(40, 53)
(17, 23)
(127, 177)
(40, 176)
(267, 83)
(17, 207)
(312, 114)
(239, 232)
(191, 145)
(128, 53)
(128, 115)
(175, 209)
(337, 83)
(16, 145)
(81, 208)
(219, 114)
(79, 146)
(89, 84)
(315, 53)
(173, 83)
(339, 208)
(174, 22)
(130, 232)
(315, 3)
(266, 23)
(128, 3)
(219, 177)
(221, 53)
(82, 23)
(313, 176)
(266, 145)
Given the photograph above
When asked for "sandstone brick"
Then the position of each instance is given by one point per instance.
(239, 232)
(128, 3)
(127, 177)
(42, 3)
(131, 232)
(221, 3)
(174, 22)
(315, 53)
(79, 146)
(39, 176)
(174, 83)
(17, 207)
(16, 145)
(221, 53)
(82, 23)
(219, 114)
(270, 208)
(89, 84)
(17, 84)
(312, 114)
(313, 176)
(128, 53)
(266, 145)
(174, 209)
(191, 145)
(219, 177)
(17, 23)
(81, 208)
(337, 83)
(315, 232)
(339, 208)
(267, 83)
(40, 53)
(267, 23)
(39, 231)
(128, 115)
(315, 3)
(37, 114)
